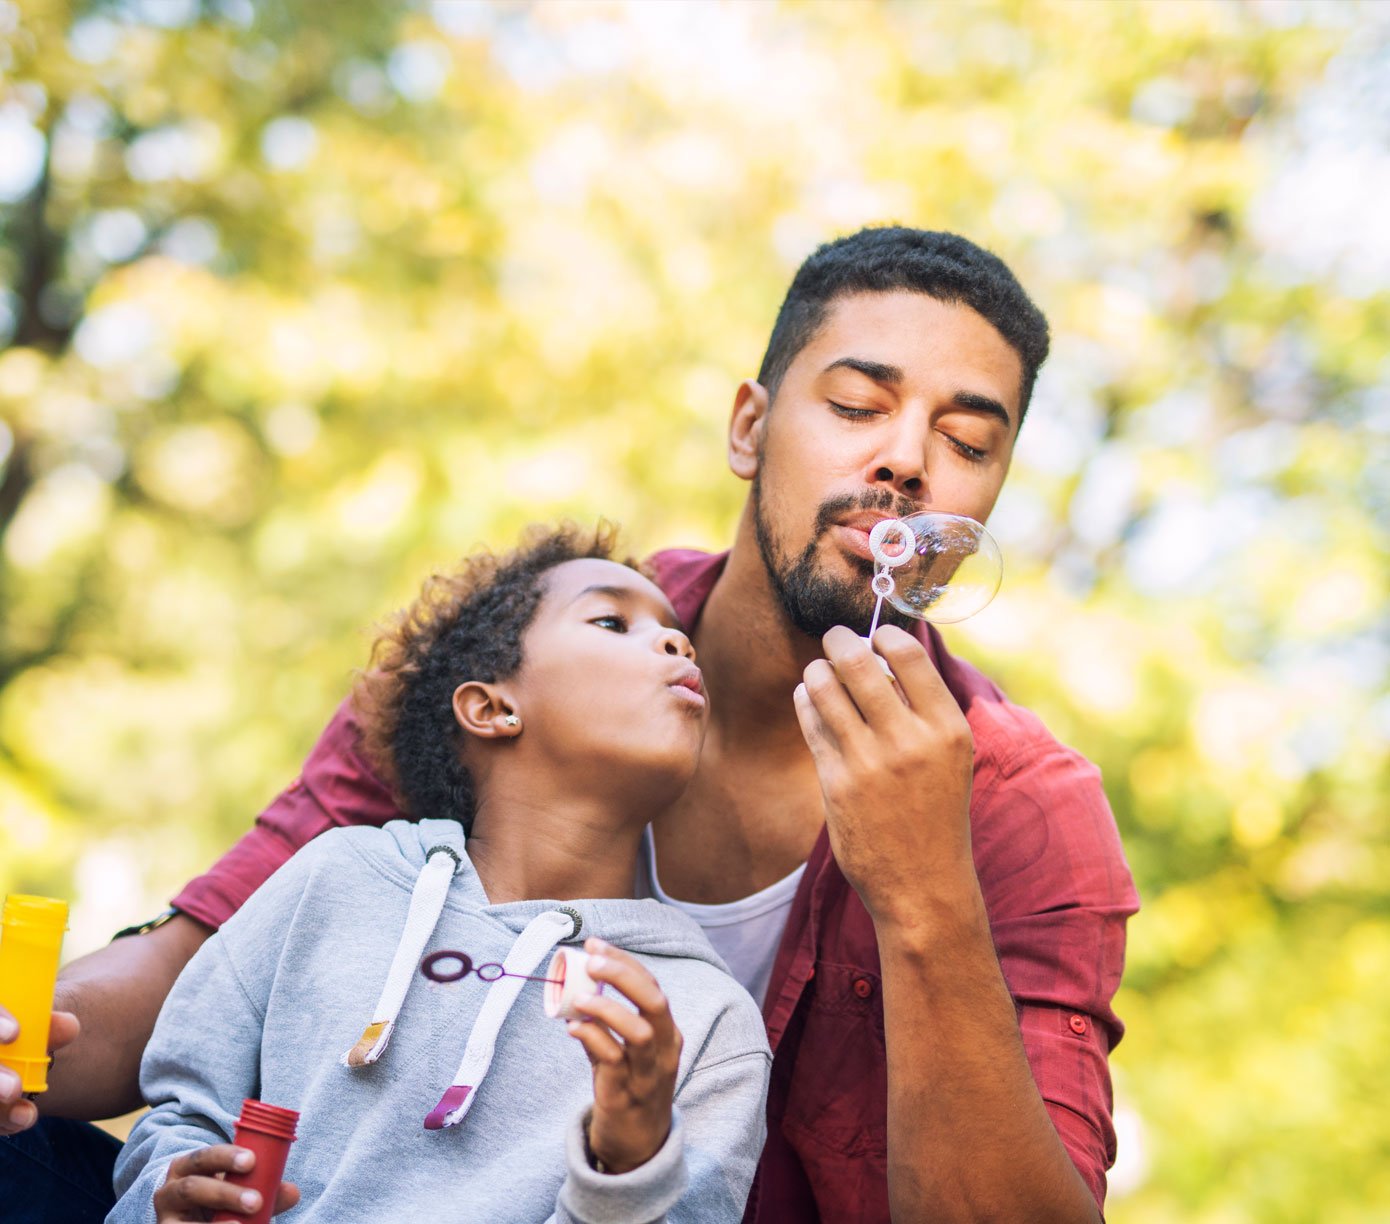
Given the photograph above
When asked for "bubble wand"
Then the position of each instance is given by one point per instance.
(892, 543)
(947, 567)
(567, 980)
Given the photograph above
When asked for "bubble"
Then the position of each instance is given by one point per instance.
(952, 571)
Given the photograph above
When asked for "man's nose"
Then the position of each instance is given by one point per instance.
(901, 460)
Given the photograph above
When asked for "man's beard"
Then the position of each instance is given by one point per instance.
(816, 602)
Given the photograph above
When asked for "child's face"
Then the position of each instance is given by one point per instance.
(608, 682)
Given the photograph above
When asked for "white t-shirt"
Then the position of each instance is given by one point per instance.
(745, 933)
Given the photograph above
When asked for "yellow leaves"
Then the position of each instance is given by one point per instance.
(334, 342)
(1157, 777)
(569, 305)
(1030, 210)
(1112, 314)
(291, 428)
(26, 815)
(1257, 820)
(1341, 597)
(129, 730)
(65, 509)
(449, 233)
(1327, 860)
(1186, 925)
(1235, 724)
(1320, 575)
(369, 510)
(1365, 953)
(21, 373)
(209, 468)
(1099, 672)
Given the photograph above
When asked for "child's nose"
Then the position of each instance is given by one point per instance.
(673, 642)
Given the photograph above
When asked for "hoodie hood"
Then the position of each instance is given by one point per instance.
(644, 926)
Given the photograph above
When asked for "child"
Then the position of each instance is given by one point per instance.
(541, 705)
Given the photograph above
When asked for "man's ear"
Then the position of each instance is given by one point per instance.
(483, 711)
(746, 425)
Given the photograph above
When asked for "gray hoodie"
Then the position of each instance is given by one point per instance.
(275, 1004)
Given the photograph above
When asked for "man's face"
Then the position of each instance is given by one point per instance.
(899, 404)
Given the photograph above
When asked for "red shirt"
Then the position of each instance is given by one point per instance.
(1054, 881)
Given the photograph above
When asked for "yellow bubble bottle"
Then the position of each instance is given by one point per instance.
(31, 935)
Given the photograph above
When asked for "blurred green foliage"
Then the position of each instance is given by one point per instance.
(303, 299)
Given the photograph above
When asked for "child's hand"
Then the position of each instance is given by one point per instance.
(193, 1190)
(634, 1058)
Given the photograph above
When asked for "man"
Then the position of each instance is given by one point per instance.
(930, 901)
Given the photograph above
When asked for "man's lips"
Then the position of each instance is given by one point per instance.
(853, 534)
(852, 531)
(863, 520)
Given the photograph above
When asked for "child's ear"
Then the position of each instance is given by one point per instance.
(481, 710)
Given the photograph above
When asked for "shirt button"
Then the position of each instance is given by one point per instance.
(1078, 1024)
(863, 987)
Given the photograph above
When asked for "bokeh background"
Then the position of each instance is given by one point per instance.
(299, 300)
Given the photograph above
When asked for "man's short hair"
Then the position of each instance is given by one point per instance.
(883, 259)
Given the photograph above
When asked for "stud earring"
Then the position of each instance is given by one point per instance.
(511, 721)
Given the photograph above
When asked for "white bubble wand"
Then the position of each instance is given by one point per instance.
(948, 567)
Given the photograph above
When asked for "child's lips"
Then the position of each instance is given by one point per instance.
(689, 685)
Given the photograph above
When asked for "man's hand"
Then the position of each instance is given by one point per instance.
(16, 1113)
(895, 762)
(194, 1186)
(116, 992)
(969, 1137)
(635, 1058)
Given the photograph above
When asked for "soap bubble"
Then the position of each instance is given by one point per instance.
(951, 572)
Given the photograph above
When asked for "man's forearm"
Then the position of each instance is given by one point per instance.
(968, 1135)
(116, 993)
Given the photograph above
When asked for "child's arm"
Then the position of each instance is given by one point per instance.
(200, 1065)
(634, 1157)
(204, 1060)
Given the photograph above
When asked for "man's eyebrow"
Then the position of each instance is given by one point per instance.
(888, 375)
(982, 403)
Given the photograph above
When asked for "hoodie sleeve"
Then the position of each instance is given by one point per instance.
(701, 1174)
(203, 1059)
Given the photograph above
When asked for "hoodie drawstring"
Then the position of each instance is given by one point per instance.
(541, 934)
(426, 904)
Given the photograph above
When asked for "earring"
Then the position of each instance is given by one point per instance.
(511, 721)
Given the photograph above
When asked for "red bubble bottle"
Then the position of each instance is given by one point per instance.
(268, 1131)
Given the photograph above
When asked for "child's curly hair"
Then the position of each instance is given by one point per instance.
(465, 625)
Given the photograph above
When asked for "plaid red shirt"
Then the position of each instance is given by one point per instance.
(1055, 884)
